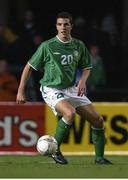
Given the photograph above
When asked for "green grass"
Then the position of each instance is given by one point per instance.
(78, 167)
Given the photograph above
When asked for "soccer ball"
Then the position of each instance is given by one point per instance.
(46, 145)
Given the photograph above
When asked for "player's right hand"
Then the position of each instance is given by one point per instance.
(20, 99)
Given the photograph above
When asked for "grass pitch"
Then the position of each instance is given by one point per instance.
(14, 166)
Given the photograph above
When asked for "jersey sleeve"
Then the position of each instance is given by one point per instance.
(38, 58)
(85, 60)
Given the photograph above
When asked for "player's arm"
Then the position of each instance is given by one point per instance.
(81, 87)
(20, 99)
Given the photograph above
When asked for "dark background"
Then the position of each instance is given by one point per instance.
(12, 12)
(46, 11)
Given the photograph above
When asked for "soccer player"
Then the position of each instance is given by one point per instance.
(59, 58)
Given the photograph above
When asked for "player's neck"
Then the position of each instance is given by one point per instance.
(64, 38)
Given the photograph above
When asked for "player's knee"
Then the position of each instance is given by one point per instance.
(70, 114)
(99, 123)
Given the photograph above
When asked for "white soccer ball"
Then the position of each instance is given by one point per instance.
(46, 145)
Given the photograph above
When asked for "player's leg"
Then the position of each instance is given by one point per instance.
(67, 112)
(59, 105)
(98, 137)
(67, 116)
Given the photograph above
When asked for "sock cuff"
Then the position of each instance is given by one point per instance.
(65, 121)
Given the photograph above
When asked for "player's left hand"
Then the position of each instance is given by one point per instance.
(81, 88)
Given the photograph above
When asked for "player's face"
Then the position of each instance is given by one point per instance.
(64, 28)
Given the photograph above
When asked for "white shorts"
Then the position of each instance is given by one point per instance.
(52, 96)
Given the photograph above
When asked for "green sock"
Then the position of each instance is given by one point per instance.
(98, 140)
(61, 131)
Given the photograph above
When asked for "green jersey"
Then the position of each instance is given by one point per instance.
(59, 61)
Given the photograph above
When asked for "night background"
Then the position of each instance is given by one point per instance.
(102, 23)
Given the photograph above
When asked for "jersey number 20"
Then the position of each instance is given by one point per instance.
(66, 59)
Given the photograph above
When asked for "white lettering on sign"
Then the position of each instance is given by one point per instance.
(24, 131)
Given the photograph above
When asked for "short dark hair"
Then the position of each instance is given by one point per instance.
(65, 14)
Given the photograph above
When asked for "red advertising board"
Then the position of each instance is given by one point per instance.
(20, 127)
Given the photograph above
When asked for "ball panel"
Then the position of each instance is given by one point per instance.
(42, 146)
(46, 145)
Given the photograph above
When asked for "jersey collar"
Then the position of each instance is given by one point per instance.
(65, 42)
